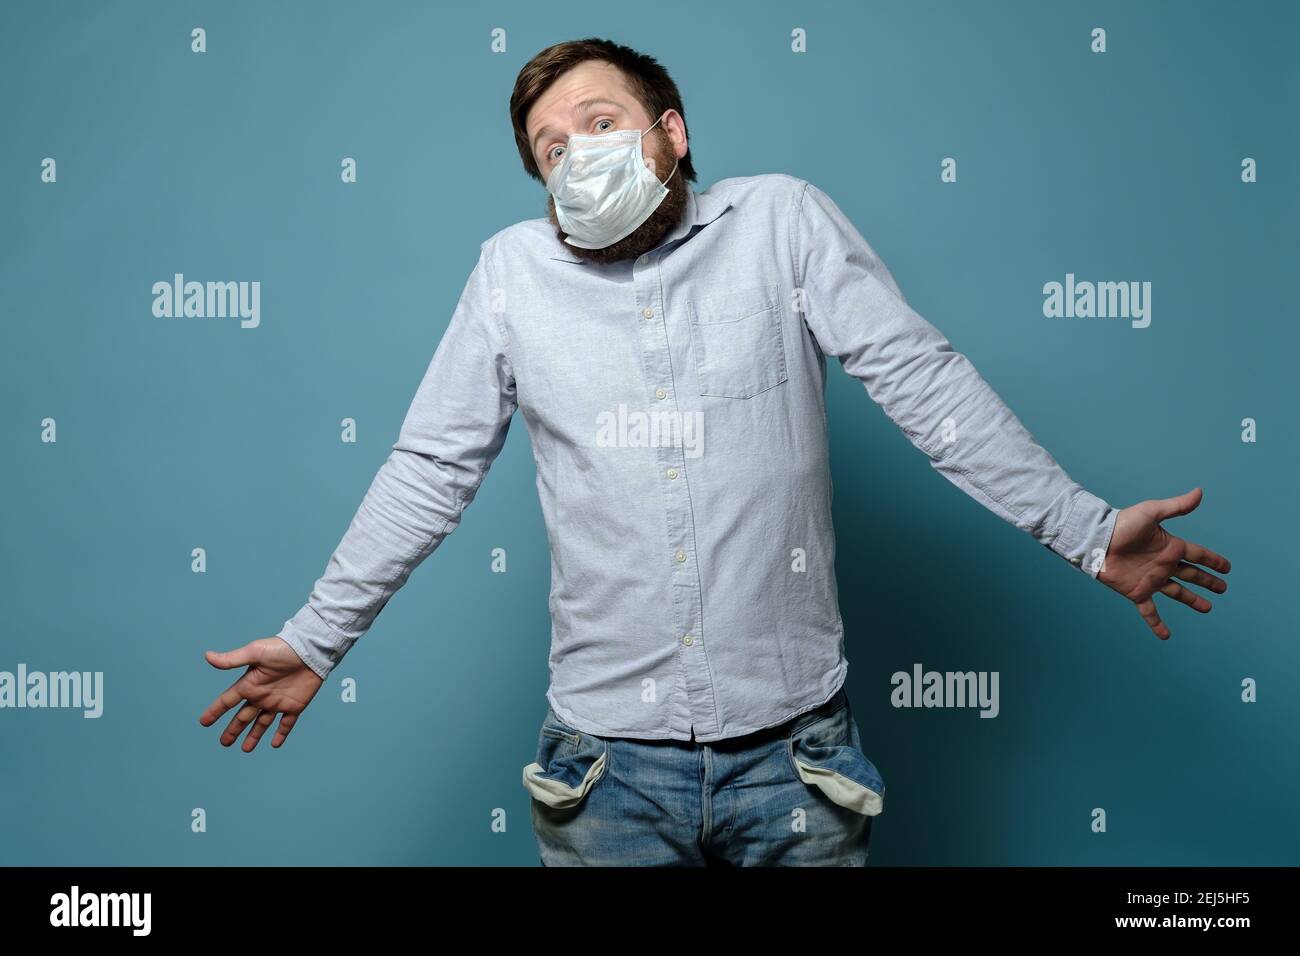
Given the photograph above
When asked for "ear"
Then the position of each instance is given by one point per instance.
(675, 128)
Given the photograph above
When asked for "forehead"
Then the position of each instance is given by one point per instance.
(591, 79)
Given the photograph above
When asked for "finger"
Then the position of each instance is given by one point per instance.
(225, 700)
(1177, 505)
(1179, 593)
(1199, 555)
(1188, 572)
(239, 657)
(286, 725)
(1147, 609)
(236, 726)
(265, 719)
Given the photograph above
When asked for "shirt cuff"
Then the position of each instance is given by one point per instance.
(319, 645)
(1084, 538)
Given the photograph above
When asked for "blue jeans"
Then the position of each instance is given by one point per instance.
(802, 793)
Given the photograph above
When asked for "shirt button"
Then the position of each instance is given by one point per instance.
(648, 313)
(688, 640)
(680, 555)
(672, 473)
(334, 655)
(660, 394)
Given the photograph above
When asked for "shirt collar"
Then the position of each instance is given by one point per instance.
(701, 209)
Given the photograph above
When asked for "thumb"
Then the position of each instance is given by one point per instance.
(1177, 505)
(239, 657)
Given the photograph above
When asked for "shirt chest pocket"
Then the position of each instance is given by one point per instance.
(738, 342)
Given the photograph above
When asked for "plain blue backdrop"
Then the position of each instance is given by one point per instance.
(176, 434)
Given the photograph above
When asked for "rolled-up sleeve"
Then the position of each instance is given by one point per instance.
(454, 429)
(857, 314)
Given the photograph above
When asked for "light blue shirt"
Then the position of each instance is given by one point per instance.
(676, 408)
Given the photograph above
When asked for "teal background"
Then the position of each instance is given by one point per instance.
(192, 433)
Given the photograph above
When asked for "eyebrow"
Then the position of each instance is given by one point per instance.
(578, 108)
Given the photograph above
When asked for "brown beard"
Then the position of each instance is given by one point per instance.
(646, 236)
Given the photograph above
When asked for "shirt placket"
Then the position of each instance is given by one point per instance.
(695, 708)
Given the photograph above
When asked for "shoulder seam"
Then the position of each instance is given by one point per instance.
(796, 216)
(491, 304)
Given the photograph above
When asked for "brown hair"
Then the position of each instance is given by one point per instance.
(649, 82)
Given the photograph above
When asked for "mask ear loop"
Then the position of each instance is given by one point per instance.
(664, 181)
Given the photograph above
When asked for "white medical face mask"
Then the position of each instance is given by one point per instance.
(603, 189)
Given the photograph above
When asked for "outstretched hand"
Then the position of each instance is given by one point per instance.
(1144, 558)
(276, 682)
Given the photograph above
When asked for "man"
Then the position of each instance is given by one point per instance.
(668, 350)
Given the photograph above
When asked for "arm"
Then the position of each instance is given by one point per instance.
(934, 394)
(454, 429)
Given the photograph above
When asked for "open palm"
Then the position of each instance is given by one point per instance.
(276, 682)
(1144, 559)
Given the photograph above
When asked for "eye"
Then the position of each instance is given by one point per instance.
(606, 129)
(555, 153)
